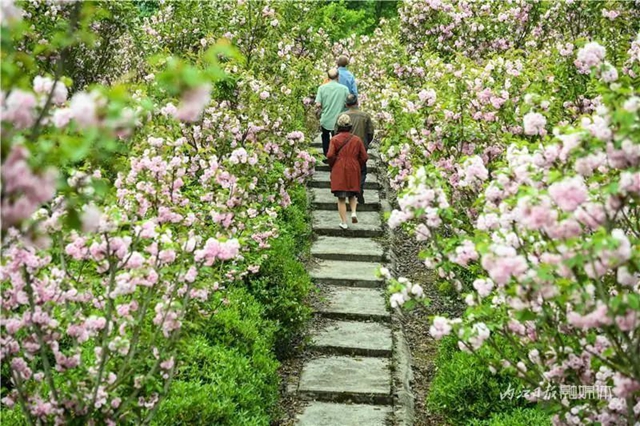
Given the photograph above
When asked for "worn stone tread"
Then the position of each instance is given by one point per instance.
(325, 222)
(351, 274)
(352, 303)
(345, 378)
(352, 249)
(323, 199)
(353, 338)
(331, 414)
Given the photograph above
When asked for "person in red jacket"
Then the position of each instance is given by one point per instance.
(347, 155)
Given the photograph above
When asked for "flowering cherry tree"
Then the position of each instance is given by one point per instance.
(518, 174)
(126, 211)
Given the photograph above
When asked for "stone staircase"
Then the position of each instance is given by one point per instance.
(348, 381)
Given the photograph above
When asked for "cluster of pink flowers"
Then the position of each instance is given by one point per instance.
(192, 104)
(19, 108)
(589, 56)
(545, 225)
(25, 190)
(534, 124)
(473, 172)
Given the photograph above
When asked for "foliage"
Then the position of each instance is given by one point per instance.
(127, 209)
(464, 389)
(229, 373)
(282, 285)
(516, 417)
(511, 140)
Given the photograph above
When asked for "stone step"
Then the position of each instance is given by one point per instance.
(331, 414)
(341, 378)
(352, 303)
(347, 274)
(323, 180)
(320, 167)
(323, 199)
(351, 249)
(325, 222)
(353, 338)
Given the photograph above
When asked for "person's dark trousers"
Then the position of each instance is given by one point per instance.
(326, 138)
(363, 178)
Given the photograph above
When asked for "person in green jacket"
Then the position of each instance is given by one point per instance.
(330, 100)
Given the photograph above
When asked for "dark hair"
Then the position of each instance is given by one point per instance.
(352, 100)
(342, 61)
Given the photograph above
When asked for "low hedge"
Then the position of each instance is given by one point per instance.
(517, 417)
(464, 389)
(283, 284)
(228, 373)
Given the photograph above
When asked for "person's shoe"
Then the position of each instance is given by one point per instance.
(354, 218)
(361, 199)
(344, 226)
(325, 160)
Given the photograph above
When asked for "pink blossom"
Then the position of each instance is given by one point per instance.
(90, 218)
(168, 364)
(215, 250)
(464, 253)
(534, 124)
(193, 103)
(569, 193)
(84, 109)
(480, 334)
(591, 55)
(396, 300)
(9, 12)
(440, 327)
(44, 85)
(626, 278)
(19, 109)
(427, 97)
(609, 74)
(62, 117)
(136, 260)
(483, 287)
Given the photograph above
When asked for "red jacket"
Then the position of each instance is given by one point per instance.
(346, 160)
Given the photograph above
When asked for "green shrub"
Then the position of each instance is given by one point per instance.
(228, 370)
(282, 285)
(517, 417)
(12, 417)
(228, 373)
(464, 389)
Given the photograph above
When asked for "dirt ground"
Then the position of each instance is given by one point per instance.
(424, 348)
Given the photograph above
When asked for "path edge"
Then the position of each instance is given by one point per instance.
(402, 372)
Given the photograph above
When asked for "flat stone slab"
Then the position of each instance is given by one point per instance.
(342, 248)
(352, 303)
(331, 414)
(325, 222)
(323, 199)
(345, 273)
(343, 378)
(322, 179)
(353, 338)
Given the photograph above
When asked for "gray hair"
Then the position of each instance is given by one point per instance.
(342, 61)
(332, 73)
(344, 122)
